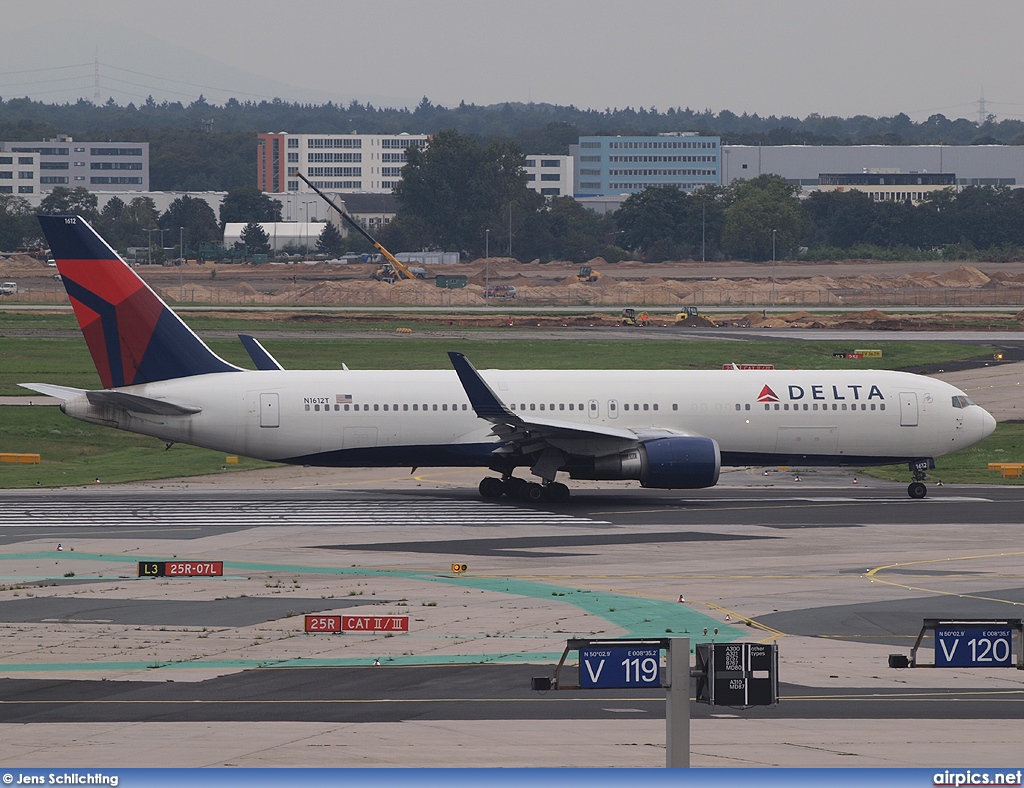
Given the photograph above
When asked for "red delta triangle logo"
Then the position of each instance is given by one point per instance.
(767, 395)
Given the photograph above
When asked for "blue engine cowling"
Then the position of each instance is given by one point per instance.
(669, 463)
(681, 463)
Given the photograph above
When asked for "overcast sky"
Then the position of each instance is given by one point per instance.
(781, 57)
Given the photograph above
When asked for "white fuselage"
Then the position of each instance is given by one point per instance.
(424, 418)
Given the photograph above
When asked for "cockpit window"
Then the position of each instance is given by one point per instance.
(961, 401)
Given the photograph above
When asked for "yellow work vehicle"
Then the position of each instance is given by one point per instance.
(634, 317)
(390, 271)
(693, 317)
(587, 274)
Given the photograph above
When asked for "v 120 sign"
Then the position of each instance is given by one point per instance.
(973, 647)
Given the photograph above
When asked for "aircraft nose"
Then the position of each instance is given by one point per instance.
(988, 424)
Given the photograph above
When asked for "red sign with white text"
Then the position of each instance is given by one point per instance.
(323, 623)
(375, 623)
(194, 569)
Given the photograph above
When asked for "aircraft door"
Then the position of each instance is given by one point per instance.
(270, 410)
(594, 409)
(613, 409)
(908, 408)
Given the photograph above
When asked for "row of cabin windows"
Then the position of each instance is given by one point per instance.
(415, 406)
(573, 406)
(581, 407)
(814, 406)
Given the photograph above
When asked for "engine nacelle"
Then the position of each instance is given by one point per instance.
(681, 463)
(669, 463)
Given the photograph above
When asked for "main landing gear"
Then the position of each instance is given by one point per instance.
(531, 492)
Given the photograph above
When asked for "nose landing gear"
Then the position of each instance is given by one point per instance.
(919, 468)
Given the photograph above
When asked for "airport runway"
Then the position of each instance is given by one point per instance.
(840, 575)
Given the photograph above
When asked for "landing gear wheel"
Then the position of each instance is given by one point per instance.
(917, 490)
(532, 492)
(558, 493)
(514, 486)
(491, 487)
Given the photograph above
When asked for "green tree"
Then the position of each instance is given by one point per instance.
(765, 216)
(63, 200)
(249, 204)
(135, 220)
(568, 231)
(651, 222)
(17, 222)
(255, 238)
(196, 216)
(330, 241)
(839, 219)
(109, 216)
(456, 189)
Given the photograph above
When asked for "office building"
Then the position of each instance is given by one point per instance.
(627, 165)
(369, 163)
(552, 176)
(36, 168)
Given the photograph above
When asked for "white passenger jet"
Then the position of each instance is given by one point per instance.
(667, 429)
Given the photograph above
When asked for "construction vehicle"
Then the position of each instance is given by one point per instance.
(587, 274)
(693, 317)
(392, 269)
(634, 317)
(388, 273)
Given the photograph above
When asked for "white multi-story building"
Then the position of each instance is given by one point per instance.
(34, 168)
(552, 176)
(369, 163)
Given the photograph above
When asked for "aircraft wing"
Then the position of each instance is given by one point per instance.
(523, 435)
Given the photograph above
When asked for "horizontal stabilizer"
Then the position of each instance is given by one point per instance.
(136, 404)
(60, 392)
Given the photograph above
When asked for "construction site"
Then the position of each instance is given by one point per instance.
(801, 294)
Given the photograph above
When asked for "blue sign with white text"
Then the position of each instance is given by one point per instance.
(973, 647)
(610, 667)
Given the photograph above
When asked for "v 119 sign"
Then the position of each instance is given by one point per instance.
(612, 667)
(973, 647)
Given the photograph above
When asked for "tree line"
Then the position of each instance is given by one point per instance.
(188, 221)
(456, 190)
(203, 146)
(462, 194)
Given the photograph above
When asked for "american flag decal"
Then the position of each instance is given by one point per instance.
(339, 398)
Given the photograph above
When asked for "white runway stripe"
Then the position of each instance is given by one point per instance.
(76, 514)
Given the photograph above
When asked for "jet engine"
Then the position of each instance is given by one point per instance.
(668, 463)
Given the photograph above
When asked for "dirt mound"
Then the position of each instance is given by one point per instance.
(21, 262)
(871, 314)
(964, 276)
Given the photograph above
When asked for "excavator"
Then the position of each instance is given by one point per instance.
(392, 269)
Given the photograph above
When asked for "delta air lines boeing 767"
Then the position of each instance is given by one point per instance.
(667, 429)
